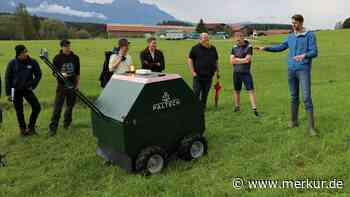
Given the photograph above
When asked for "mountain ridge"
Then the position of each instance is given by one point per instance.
(119, 11)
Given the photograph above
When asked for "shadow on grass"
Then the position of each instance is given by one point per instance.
(330, 82)
(81, 126)
(46, 104)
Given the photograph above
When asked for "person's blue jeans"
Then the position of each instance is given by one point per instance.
(297, 79)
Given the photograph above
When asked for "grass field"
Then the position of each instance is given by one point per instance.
(240, 145)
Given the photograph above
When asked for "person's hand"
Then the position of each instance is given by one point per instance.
(157, 64)
(299, 58)
(247, 61)
(65, 75)
(194, 74)
(259, 48)
(9, 98)
(77, 86)
(121, 57)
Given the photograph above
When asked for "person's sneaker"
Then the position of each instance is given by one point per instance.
(23, 132)
(66, 126)
(313, 132)
(52, 132)
(107, 163)
(237, 109)
(256, 113)
(31, 131)
(292, 124)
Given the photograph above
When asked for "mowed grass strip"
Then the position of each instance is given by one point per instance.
(240, 145)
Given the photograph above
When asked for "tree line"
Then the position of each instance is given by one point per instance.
(343, 25)
(21, 25)
(246, 28)
(176, 23)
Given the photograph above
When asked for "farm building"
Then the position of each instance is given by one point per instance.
(263, 29)
(128, 30)
(176, 35)
(121, 30)
(249, 29)
(214, 27)
(273, 32)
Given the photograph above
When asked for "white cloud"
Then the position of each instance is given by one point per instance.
(13, 4)
(100, 1)
(318, 13)
(58, 9)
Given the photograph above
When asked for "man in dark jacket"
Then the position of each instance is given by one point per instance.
(152, 58)
(23, 75)
(69, 65)
(1, 110)
(203, 63)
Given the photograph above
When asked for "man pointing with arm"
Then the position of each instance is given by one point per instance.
(302, 50)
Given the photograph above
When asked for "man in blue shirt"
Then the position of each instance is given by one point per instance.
(302, 50)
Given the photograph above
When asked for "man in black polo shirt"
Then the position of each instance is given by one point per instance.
(241, 58)
(203, 63)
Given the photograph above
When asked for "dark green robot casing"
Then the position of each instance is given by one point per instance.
(143, 113)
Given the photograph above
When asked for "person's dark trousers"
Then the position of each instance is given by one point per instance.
(33, 101)
(1, 115)
(201, 88)
(63, 94)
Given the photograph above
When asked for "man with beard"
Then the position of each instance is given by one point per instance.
(203, 63)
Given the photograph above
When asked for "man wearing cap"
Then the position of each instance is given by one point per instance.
(121, 61)
(23, 75)
(69, 65)
(152, 58)
(203, 63)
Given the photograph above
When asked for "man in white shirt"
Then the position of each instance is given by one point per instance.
(121, 62)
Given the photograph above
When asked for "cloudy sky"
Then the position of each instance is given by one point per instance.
(318, 13)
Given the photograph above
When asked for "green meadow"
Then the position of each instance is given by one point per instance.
(240, 145)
